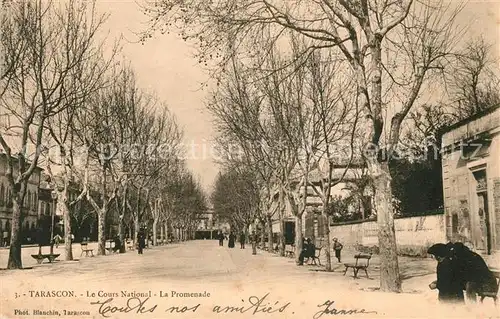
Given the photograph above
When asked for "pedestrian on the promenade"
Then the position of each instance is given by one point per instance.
(242, 240)
(220, 237)
(57, 240)
(475, 275)
(232, 239)
(337, 247)
(118, 244)
(448, 281)
(141, 241)
(5, 239)
(253, 239)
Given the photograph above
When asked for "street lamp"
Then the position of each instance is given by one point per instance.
(53, 194)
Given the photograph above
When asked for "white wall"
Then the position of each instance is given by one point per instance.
(416, 232)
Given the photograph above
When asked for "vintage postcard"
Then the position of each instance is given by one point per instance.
(249, 159)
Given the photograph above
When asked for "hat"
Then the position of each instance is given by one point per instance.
(440, 250)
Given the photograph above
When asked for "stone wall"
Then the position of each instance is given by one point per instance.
(413, 234)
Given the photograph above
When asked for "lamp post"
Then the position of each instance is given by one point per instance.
(53, 195)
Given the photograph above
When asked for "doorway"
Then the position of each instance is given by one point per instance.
(484, 221)
(289, 229)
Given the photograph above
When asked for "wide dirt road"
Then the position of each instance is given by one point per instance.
(239, 285)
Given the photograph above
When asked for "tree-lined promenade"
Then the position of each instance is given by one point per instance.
(296, 78)
(71, 107)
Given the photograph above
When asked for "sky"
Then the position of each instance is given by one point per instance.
(165, 65)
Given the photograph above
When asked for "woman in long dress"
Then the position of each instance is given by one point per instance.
(232, 238)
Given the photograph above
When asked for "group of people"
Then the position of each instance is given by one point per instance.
(309, 250)
(232, 239)
(459, 269)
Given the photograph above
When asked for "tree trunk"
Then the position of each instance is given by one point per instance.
(136, 226)
(121, 234)
(121, 226)
(263, 234)
(270, 233)
(327, 247)
(67, 227)
(155, 232)
(162, 232)
(15, 260)
(101, 232)
(389, 268)
(165, 227)
(281, 235)
(298, 238)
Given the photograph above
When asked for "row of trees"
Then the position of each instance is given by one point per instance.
(69, 105)
(304, 85)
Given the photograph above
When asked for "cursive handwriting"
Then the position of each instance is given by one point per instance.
(256, 304)
(329, 310)
(133, 304)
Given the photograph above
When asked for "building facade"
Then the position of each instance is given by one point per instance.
(31, 207)
(313, 222)
(471, 181)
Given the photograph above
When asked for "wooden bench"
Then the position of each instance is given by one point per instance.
(494, 294)
(130, 245)
(86, 250)
(363, 265)
(40, 257)
(317, 255)
(289, 251)
(110, 246)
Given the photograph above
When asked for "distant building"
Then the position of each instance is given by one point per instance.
(30, 208)
(471, 181)
(312, 221)
(209, 225)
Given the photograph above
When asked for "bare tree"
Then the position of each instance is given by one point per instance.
(243, 116)
(473, 80)
(419, 35)
(85, 79)
(57, 40)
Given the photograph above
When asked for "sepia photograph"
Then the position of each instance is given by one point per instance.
(298, 159)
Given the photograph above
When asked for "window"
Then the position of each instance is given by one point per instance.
(27, 200)
(9, 197)
(2, 195)
(454, 224)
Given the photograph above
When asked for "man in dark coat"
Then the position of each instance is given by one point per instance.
(242, 240)
(476, 277)
(308, 250)
(449, 282)
(118, 244)
(220, 237)
(141, 241)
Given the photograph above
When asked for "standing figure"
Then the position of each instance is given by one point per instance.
(242, 240)
(141, 241)
(118, 244)
(57, 240)
(448, 281)
(220, 236)
(232, 239)
(5, 239)
(337, 247)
